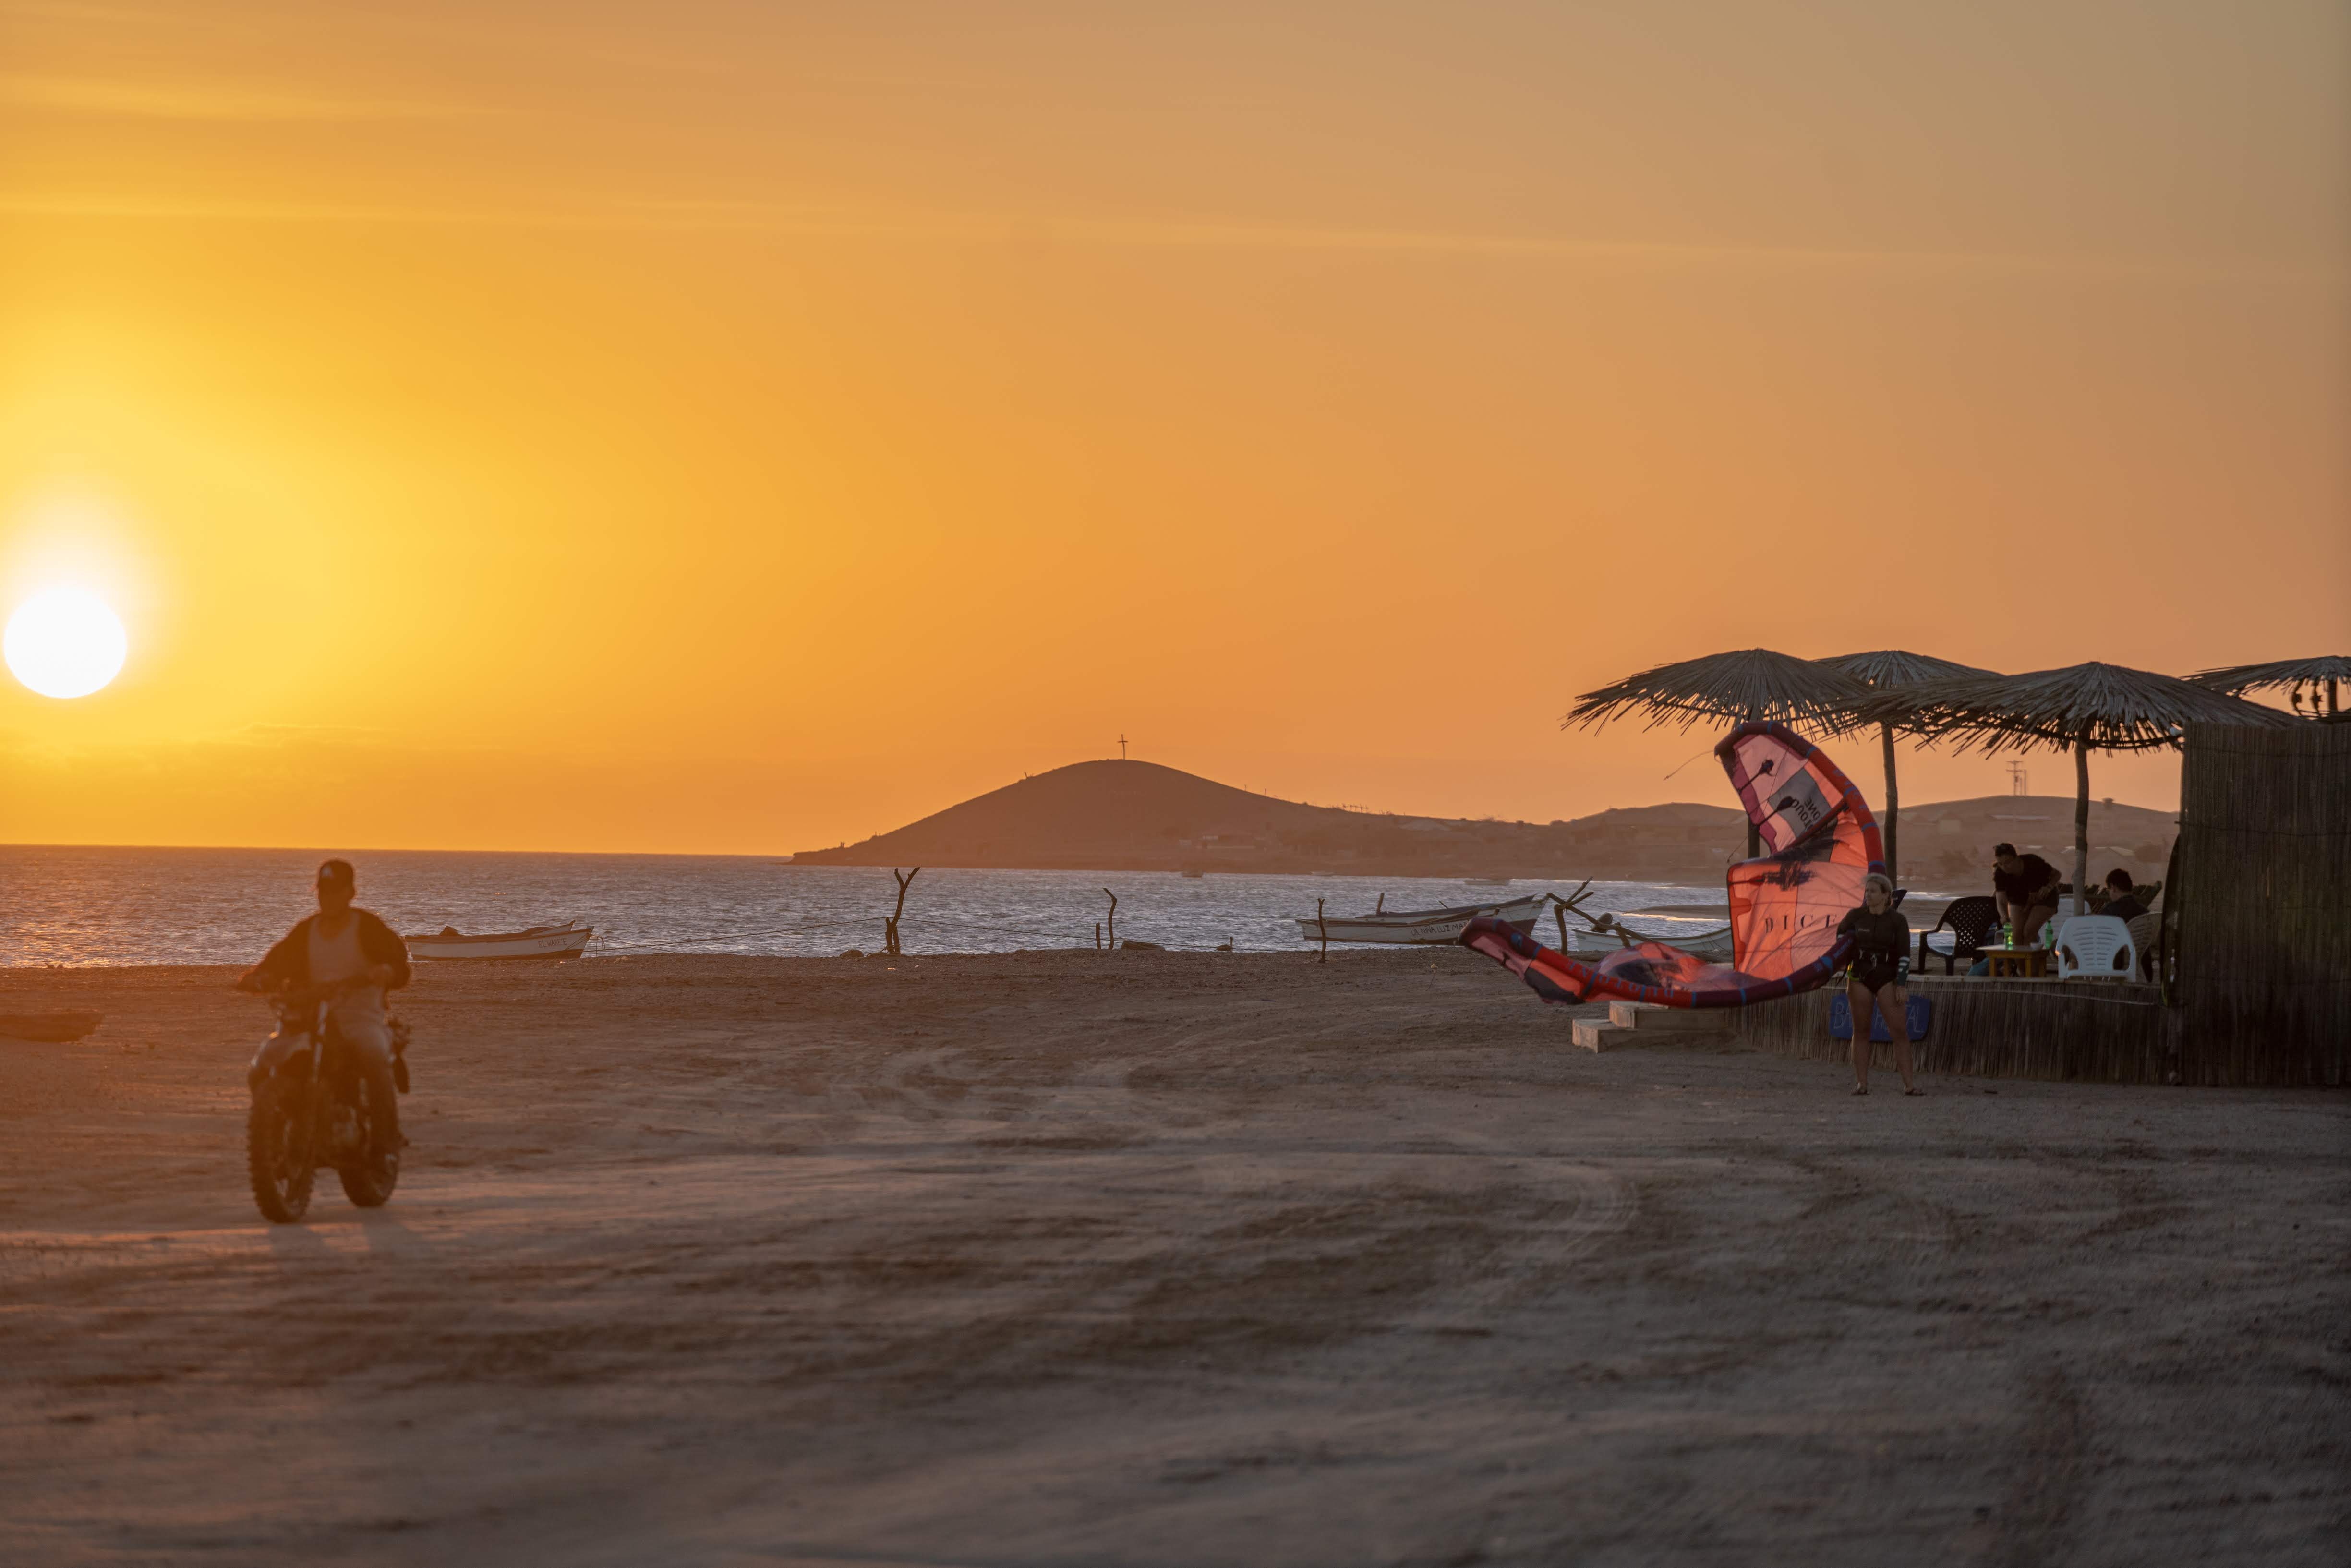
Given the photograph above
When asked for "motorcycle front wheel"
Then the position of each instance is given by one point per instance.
(369, 1178)
(277, 1155)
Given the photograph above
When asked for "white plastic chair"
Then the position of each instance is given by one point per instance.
(2145, 929)
(2096, 947)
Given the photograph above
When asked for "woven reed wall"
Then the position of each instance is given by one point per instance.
(2106, 1031)
(2265, 902)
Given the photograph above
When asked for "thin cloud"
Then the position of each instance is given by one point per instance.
(1218, 235)
(126, 99)
(205, 210)
(784, 220)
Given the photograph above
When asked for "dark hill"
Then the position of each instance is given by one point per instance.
(1076, 814)
(1140, 816)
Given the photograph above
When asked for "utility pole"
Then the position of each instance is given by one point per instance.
(1122, 745)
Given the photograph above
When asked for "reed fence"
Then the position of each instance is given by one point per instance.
(2264, 905)
(2106, 1031)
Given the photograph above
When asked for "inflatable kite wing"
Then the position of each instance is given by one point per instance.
(1821, 842)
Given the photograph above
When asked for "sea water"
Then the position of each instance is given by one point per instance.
(88, 905)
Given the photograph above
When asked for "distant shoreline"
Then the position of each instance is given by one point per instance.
(1128, 817)
(1355, 873)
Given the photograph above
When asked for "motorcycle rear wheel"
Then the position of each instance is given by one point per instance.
(276, 1156)
(368, 1180)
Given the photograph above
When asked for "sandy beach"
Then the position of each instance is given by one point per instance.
(1155, 1260)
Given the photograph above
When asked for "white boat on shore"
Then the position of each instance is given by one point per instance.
(1420, 926)
(565, 941)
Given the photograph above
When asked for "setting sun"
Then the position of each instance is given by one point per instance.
(1256, 782)
(65, 644)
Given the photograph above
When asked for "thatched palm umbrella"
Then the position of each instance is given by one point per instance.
(2285, 674)
(1882, 670)
(2084, 707)
(1729, 688)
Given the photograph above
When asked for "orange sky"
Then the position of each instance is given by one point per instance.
(741, 427)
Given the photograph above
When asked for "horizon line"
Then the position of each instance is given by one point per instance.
(785, 856)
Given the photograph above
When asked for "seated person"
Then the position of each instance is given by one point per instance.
(2122, 901)
(2025, 887)
(2126, 901)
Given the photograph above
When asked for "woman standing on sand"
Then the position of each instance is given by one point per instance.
(1881, 963)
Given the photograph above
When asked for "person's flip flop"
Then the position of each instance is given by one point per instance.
(1914, 1091)
(1860, 1088)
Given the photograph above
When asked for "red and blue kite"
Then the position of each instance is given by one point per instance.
(1821, 840)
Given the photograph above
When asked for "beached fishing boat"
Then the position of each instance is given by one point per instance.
(1420, 926)
(1715, 946)
(565, 941)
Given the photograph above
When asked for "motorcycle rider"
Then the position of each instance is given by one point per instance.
(352, 952)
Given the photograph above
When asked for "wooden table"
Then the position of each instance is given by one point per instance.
(2018, 963)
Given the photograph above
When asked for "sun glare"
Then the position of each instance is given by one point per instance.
(65, 642)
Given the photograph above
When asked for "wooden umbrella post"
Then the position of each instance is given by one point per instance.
(2081, 815)
(1114, 918)
(1324, 931)
(1754, 834)
(1893, 807)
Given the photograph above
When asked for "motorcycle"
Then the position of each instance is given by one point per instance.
(316, 1101)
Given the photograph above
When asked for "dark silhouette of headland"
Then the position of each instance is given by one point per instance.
(1140, 816)
(1117, 815)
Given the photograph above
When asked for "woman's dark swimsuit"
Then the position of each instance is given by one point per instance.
(1877, 978)
(1880, 944)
